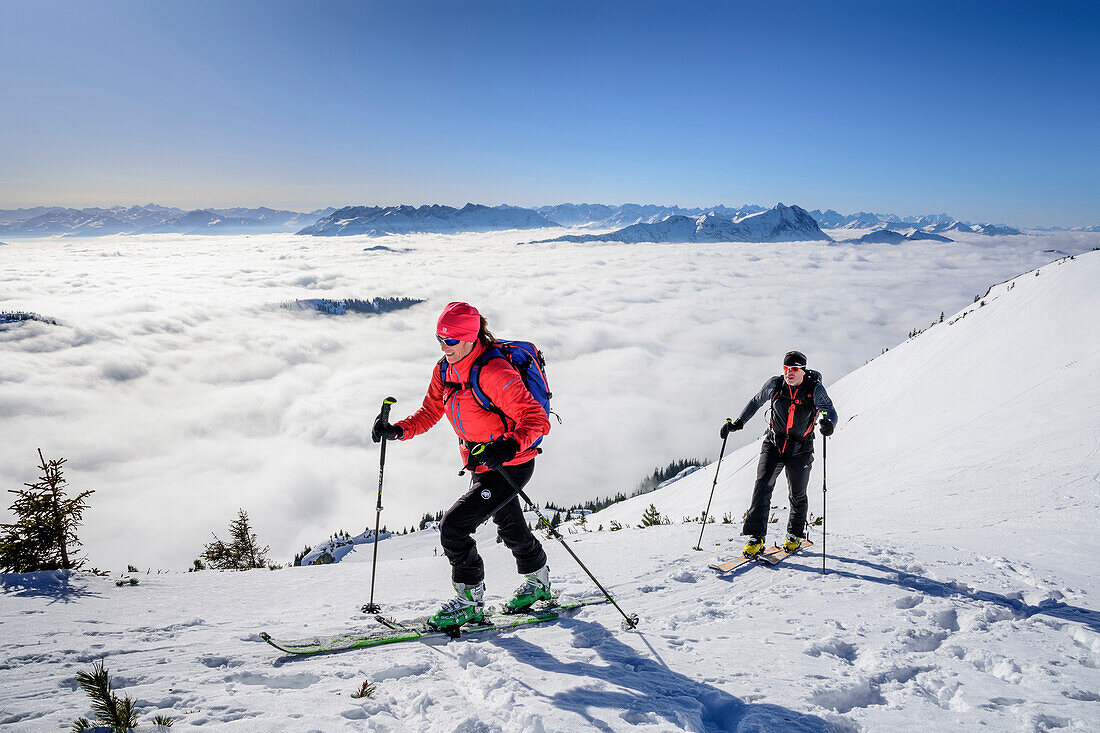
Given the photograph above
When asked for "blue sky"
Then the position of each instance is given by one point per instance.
(985, 110)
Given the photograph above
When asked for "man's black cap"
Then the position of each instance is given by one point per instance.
(794, 358)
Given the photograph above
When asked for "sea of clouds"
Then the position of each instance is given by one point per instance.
(179, 390)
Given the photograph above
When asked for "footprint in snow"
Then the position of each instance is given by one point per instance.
(684, 576)
(834, 646)
(470, 654)
(908, 602)
(947, 619)
(922, 641)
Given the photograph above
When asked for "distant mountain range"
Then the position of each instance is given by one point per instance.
(44, 221)
(780, 224)
(885, 235)
(599, 216)
(830, 219)
(378, 221)
(666, 223)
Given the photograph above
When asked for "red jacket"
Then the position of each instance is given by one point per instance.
(526, 420)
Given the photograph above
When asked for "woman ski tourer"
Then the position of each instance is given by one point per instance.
(473, 372)
(796, 398)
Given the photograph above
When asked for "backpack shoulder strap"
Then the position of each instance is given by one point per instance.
(811, 380)
(777, 389)
(475, 377)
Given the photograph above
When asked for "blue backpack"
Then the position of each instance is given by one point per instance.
(527, 360)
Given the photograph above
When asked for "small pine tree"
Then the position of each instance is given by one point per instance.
(242, 552)
(556, 520)
(112, 711)
(43, 537)
(651, 516)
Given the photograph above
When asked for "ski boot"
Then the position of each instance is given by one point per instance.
(793, 544)
(754, 546)
(468, 606)
(535, 587)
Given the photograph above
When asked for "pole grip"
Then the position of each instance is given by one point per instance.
(386, 405)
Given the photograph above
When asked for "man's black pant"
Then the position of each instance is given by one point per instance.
(798, 477)
(490, 496)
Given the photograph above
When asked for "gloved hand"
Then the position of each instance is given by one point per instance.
(497, 453)
(730, 427)
(383, 429)
(826, 426)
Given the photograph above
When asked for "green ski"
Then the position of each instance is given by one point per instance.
(411, 630)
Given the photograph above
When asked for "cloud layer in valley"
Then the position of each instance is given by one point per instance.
(179, 389)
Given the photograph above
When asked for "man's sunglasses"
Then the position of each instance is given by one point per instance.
(790, 369)
(449, 342)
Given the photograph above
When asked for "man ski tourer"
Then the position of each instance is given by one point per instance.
(472, 370)
(796, 398)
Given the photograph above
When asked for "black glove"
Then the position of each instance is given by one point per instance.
(730, 427)
(826, 426)
(497, 453)
(383, 429)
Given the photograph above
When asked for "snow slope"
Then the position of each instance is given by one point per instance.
(981, 428)
(961, 595)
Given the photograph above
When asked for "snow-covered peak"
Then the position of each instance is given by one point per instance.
(780, 224)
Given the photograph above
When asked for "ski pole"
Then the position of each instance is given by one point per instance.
(699, 544)
(631, 621)
(373, 607)
(824, 453)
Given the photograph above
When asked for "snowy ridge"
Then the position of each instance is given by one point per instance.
(377, 221)
(150, 219)
(336, 549)
(830, 219)
(779, 224)
(885, 235)
(601, 216)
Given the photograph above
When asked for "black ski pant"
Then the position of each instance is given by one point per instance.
(490, 496)
(797, 466)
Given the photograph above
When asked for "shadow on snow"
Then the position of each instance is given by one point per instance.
(58, 585)
(635, 688)
(952, 589)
